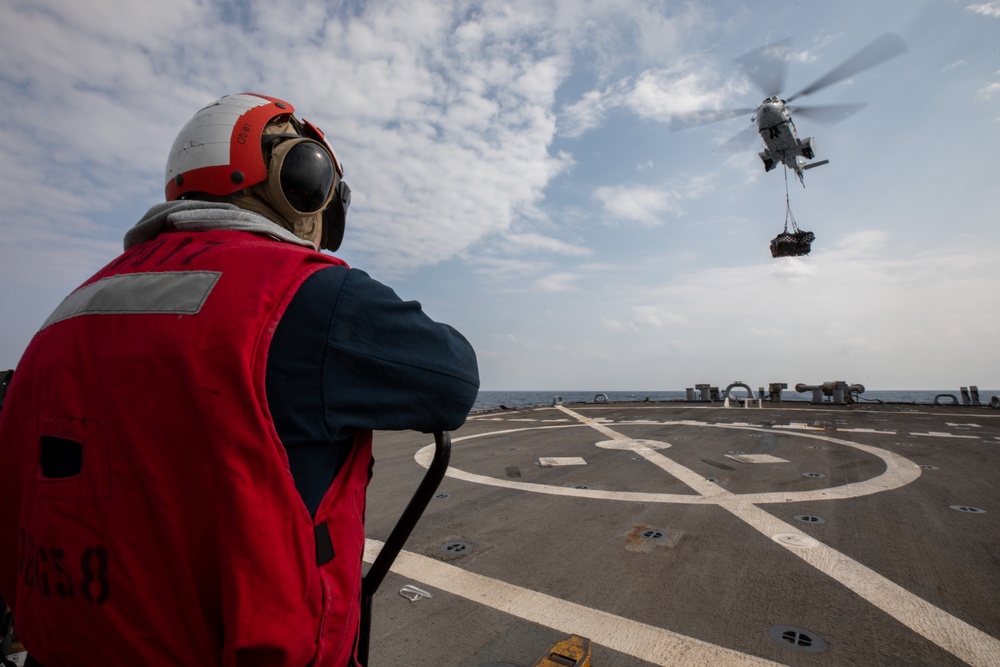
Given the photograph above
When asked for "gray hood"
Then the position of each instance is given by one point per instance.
(203, 216)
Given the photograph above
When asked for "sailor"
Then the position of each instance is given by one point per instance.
(186, 442)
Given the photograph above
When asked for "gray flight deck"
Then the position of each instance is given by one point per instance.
(691, 534)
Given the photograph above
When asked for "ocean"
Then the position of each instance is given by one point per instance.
(489, 400)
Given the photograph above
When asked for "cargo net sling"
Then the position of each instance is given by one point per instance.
(796, 242)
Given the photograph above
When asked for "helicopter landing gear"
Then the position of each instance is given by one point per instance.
(807, 149)
(765, 157)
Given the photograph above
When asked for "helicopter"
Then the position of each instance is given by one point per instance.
(772, 119)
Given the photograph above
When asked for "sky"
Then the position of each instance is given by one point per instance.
(514, 169)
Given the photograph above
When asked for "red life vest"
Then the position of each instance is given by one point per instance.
(146, 493)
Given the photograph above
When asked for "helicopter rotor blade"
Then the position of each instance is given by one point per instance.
(695, 118)
(739, 142)
(888, 45)
(765, 66)
(827, 114)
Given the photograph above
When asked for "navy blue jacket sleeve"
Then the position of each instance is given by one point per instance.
(349, 354)
(389, 366)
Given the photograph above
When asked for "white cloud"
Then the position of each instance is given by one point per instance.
(986, 8)
(664, 93)
(851, 312)
(657, 94)
(533, 242)
(648, 205)
(802, 57)
(643, 204)
(656, 316)
(443, 118)
(560, 281)
(447, 115)
(988, 91)
(618, 326)
(793, 269)
(590, 110)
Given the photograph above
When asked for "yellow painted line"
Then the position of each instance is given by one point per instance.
(639, 640)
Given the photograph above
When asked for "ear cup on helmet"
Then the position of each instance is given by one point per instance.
(335, 217)
(306, 175)
(301, 175)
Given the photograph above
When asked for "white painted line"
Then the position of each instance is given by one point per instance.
(950, 633)
(865, 430)
(562, 461)
(954, 635)
(940, 434)
(639, 640)
(755, 458)
(963, 425)
(800, 427)
(632, 444)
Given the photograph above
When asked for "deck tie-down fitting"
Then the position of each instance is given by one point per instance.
(412, 593)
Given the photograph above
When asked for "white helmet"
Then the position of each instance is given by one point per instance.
(223, 149)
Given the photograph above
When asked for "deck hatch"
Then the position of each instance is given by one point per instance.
(966, 508)
(456, 548)
(797, 639)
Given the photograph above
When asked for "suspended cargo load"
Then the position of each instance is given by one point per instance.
(794, 244)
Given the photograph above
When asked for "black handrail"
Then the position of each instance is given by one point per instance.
(404, 526)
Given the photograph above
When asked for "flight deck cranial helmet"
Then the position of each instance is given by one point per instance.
(253, 144)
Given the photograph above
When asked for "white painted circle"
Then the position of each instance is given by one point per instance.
(899, 472)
